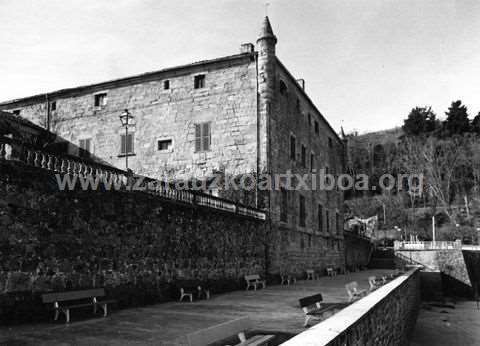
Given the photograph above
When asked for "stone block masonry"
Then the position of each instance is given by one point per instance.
(52, 239)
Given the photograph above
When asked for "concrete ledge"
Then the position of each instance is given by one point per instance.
(347, 324)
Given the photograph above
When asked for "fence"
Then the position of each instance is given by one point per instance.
(428, 245)
(14, 150)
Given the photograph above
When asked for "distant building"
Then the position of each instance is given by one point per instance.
(238, 114)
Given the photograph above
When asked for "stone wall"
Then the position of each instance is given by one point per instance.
(315, 244)
(386, 316)
(449, 262)
(358, 251)
(134, 237)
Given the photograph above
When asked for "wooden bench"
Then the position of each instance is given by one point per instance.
(353, 291)
(226, 330)
(311, 274)
(313, 308)
(192, 288)
(374, 282)
(65, 301)
(331, 270)
(255, 281)
(288, 279)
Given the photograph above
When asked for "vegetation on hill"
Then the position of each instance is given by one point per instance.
(444, 156)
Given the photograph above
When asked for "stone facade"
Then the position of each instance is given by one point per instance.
(254, 107)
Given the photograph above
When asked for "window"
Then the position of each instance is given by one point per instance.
(292, 147)
(53, 106)
(164, 145)
(320, 218)
(312, 162)
(17, 112)
(199, 81)
(327, 219)
(100, 99)
(297, 105)
(302, 215)
(330, 142)
(337, 223)
(126, 144)
(202, 137)
(284, 205)
(309, 119)
(166, 84)
(317, 128)
(304, 156)
(85, 147)
(283, 88)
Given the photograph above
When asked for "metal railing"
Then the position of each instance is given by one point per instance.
(14, 150)
(427, 245)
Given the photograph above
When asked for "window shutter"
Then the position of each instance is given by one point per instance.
(198, 138)
(206, 136)
(122, 144)
(130, 144)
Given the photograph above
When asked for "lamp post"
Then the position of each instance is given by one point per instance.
(125, 118)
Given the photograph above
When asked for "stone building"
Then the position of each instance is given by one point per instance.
(238, 114)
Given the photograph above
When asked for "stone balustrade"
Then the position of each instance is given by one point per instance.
(13, 150)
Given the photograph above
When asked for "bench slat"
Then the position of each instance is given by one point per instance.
(72, 295)
(310, 300)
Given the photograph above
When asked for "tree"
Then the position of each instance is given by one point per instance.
(475, 127)
(421, 120)
(457, 121)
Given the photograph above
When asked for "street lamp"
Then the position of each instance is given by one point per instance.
(125, 119)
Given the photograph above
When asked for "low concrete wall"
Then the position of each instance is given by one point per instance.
(386, 316)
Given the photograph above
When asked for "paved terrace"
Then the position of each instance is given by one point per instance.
(275, 309)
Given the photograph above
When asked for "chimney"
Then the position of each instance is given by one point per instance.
(247, 48)
(302, 83)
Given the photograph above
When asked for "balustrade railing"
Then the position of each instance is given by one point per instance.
(13, 150)
(427, 245)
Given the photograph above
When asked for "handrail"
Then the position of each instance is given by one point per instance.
(427, 245)
(14, 150)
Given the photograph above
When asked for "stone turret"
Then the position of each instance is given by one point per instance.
(266, 87)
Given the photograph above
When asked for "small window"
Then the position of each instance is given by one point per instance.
(304, 156)
(199, 81)
(85, 147)
(293, 149)
(101, 100)
(297, 105)
(166, 84)
(17, 111)
(202, 137)
(317, 128)
(283, 88)
(312, 162)
(164, 145)
(320, 218)
(126, 144)
(327, 219)
(284, 205)
(309, 119)
(302, 215)
(53, 106)
(330, 142)
(337, 223)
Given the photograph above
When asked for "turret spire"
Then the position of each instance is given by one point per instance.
(266, 31)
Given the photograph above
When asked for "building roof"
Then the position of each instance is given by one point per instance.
(266, 30)
(154, 75)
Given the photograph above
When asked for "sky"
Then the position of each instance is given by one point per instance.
(366, 63)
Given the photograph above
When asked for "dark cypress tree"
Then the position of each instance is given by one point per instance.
(475, 127)
(421, 120)
(457, 121)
